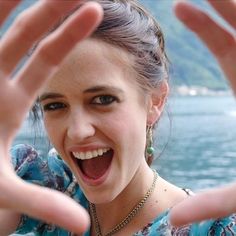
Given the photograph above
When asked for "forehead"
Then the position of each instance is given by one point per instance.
(94, 61)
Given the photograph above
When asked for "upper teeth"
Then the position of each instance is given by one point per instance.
(90, 154)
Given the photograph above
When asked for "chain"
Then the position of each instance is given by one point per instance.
(128, 218)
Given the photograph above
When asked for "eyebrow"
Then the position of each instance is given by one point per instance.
(49, 96)
(95, 89)
(104, 88)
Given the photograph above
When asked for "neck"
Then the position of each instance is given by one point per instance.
(122, 205)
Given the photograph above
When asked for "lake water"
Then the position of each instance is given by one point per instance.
(201, 149)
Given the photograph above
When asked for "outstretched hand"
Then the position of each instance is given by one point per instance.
(222, 43)
(18, 92)
(212, 204)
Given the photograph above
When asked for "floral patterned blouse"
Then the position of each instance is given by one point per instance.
(53, 173)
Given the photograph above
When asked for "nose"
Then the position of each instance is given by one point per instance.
(80, 126)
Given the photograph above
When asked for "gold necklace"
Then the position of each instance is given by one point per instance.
(128, 218)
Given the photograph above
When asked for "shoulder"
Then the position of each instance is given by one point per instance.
(48, 171)
(218, 227)
(161, 226)
(224, 226)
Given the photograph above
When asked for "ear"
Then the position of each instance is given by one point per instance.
(157, 103)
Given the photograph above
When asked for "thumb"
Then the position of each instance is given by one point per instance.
(46, 204)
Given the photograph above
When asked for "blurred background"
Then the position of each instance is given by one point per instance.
(196, 138)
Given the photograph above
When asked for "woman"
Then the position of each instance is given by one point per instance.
(99, 109)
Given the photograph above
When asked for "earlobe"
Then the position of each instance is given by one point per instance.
(157, 103)
(153, 115)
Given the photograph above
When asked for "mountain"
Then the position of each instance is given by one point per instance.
(191, 62)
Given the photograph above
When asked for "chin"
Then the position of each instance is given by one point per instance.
(100, 196)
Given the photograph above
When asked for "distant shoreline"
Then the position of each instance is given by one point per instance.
(184, 90)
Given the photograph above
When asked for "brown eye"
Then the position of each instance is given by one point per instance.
(53, 106)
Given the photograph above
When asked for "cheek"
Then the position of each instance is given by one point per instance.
(126, 128)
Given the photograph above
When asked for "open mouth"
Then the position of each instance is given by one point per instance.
(94, 164)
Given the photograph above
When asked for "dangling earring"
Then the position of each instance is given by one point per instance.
(149, 153)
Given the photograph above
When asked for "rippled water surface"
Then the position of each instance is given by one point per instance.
(202, 148)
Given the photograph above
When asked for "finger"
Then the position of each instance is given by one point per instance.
(29, 27)
(56, 46)
(227, 9)
(211, 204)
(221, 43)
(45, 204)
(5, 8)
(218, 40)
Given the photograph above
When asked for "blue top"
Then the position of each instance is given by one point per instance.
(52, 172)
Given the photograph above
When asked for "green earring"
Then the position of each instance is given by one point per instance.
(149, 146)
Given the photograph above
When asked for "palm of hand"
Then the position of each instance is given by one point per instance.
(222, 43)
(18, 94)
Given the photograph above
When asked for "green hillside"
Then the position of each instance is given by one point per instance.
(191, 62)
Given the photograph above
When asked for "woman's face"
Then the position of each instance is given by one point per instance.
(96, 117)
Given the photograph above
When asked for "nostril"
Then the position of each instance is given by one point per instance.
(80, 130)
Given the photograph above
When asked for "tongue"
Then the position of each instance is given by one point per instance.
(96, 167)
